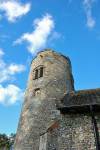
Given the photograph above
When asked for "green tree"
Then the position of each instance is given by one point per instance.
(6, 141)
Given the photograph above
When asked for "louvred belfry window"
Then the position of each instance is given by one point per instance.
(38, 72)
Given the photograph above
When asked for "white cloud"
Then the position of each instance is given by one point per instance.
(1, 52)
(38, 38)
(14, 9)
(10, 95)
(7, 71)
(88, 4)
(13, 68)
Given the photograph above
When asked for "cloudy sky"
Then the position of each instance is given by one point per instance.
(71, 27)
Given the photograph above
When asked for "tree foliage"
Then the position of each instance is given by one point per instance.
(6, 141)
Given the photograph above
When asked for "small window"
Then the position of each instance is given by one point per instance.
(38, 72)
(41, 72)
(37, 92)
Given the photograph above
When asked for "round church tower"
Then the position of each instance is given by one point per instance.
(49, 80)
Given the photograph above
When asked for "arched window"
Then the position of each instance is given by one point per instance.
(38, 72)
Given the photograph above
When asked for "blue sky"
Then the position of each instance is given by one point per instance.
(28, 26)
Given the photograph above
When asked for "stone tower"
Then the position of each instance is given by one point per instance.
(55, 116)
(50, 79)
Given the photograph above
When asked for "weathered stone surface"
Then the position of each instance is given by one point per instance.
(42, 126)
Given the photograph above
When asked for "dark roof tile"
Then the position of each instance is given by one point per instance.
(82, 98)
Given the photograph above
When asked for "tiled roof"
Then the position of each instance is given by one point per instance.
(82, 98)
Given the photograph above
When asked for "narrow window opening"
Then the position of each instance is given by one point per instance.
(36, 74)
(41, 72)
(37, 92)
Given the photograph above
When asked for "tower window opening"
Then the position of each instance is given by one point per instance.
(38, 73)
(41, 72)
(37, 92)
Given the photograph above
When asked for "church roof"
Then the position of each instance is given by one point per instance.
(82, 98)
